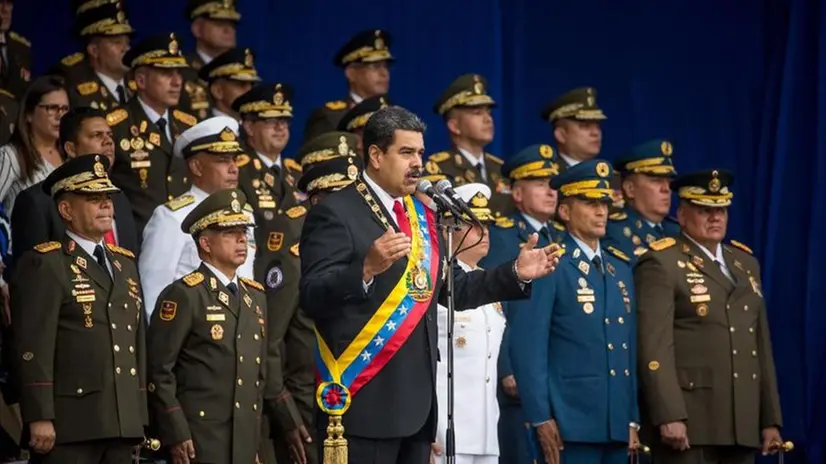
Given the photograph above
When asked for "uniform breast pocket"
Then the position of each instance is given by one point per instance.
(694, 378)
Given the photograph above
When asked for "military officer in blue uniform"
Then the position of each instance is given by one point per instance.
(574, 355)
(646, 170)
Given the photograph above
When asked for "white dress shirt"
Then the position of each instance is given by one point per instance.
(154, 117)
(474, 161)
(204, 57)
(89, 247)
(225, 281)
(533, 222)
(167, 253)
(571, 161)
(356, 98)
(477, 337)
(268, 162)
(112, 85)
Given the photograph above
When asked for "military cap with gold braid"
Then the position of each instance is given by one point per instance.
(222, 209)
(652, 158)
(212, 9)
(83, 174)
(157, 51)
(705, 188)
(579, 104)
(237, 64)
(108, 19)
(365, 47)
(215, 136)
(356, 118)
(329, 162)
(466, 91)
(265, 101)
(532, 162)
(81, 6)
(589, 180)
(477, 197)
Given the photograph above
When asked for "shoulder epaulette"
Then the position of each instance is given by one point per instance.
(242, 160)
(193, 278)
(252, 283)
(504, 222)
(292, 164)
(248, 207)
(6, 93)
(495, 159)
(116, 117)
(618, 216)
(87, 88)
(741, 246)
(558, 225)
(179, 202)
(336, 105)
(20, 38)
(120, 251)
(439, 157)
(662, 243)
(133, 86)
(47, 247)
(619, 254)
(185, 118)
(72, 59)
(296, 212)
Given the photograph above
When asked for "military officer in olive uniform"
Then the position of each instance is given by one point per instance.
(8, 115)
(530, 172)
(16, 55)
(707, 379)
(356, 118)
(328, 174)
(98, 77)
(269, 180)
(466, 109)
(230, 75)
(366, 60)
(213, 25)
(146, 128)
(646, 172)
(207, 344)
(80, 345)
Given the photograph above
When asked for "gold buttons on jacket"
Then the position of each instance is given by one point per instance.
(653, 365)
(607, 321)
(735, 375)
(751, 329)
(754, 353)
(240, 382)
(257, 360)
(731, 329)
(240, 359)
(201, 413)
(131, 349)
(754, 376)
(613, 372)
(117, 349)
(79, 391)
(114, 326)
(610, 346)
(117, 370)
(129, 327)
(621, 320)
(627, 372)
(734, 352)
(255, 407)
(133, 372)
(624, 346)
(255, 336)
(745, 307)
(237, 405)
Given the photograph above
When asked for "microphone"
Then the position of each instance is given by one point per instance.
(444, 187)
(426, 187)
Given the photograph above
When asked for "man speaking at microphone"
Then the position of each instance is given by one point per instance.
(373, 269)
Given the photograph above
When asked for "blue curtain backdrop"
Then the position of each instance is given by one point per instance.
(735, 84)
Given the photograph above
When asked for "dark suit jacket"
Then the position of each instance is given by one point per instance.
(337, 234)
(37, 221)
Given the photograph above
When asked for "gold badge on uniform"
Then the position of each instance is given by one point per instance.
(216, 317)
(470, 175)
(626, 231)
(461, 342)
(576, 254)
(653, 366)
(755, 286)
(269, 179)
(588, 308)
(636, 240)
(610, 268)
(223, 298)
(217, 332)
(584, 267)
(134, 131)
(155, 138)
(248, 300)
(116, 263)
(680, 264)
(213, 283)
(275, 241)
(699, 289)
(81, 262)
(124, 144)
(168, 310)
(457, 158)
(28, 356)
(698, 261)
(294, 250)
(702, 310)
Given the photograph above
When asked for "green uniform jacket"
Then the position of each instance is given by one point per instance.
(79, 342)
(326, 118)
(85, 87)
(704, 350)
(195, 98)
(206, 366)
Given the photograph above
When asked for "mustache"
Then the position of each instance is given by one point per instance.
(414, 173)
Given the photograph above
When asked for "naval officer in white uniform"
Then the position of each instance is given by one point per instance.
(167, 254)
(476, 338)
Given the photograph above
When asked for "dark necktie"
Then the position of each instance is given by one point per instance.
(233, 288)
(660, 231)
(162, 126)
(597, 263)
(276, 170)
(100, 256)
(545, 232)
(480, 169)
(121, 94)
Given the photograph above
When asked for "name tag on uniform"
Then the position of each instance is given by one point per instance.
(85, 298)
(141, 164)
(216, 317)
(700, 298)
(585, 298)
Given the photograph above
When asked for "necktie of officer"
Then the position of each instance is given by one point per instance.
(545, 232)
(401, 218)
(276, 170)
(233, 288)
(597, 263)
(162, 126)
(724, 270)
(660, 230)
(121, 94)
(100, 256)
(480, 169)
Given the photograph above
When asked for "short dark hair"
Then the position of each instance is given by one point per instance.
(381, 127)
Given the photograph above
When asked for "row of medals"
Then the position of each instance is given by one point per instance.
(585, 295)
(695, 281)
(140, 157)
(84, 294)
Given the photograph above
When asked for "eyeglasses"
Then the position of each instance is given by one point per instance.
(54, 109)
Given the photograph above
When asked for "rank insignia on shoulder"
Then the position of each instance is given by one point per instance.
(252, 283)
(194, 278)
(741, 246)
(662, 243)
(133, 86)
(120, 250)
(294, 250)
(242, 160)
(495, 159)
(439, 157)
(296, 212)
(558, 225)
(47, 247)
(292, 164)
(336, 105)
(72, 59)
(87, 88)
(116, 117)
(248, 208)
(619, 254)
(179, 202)
(168, 310)
(504, 222)
(185, 118)
(618, 216)
(19, 38)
